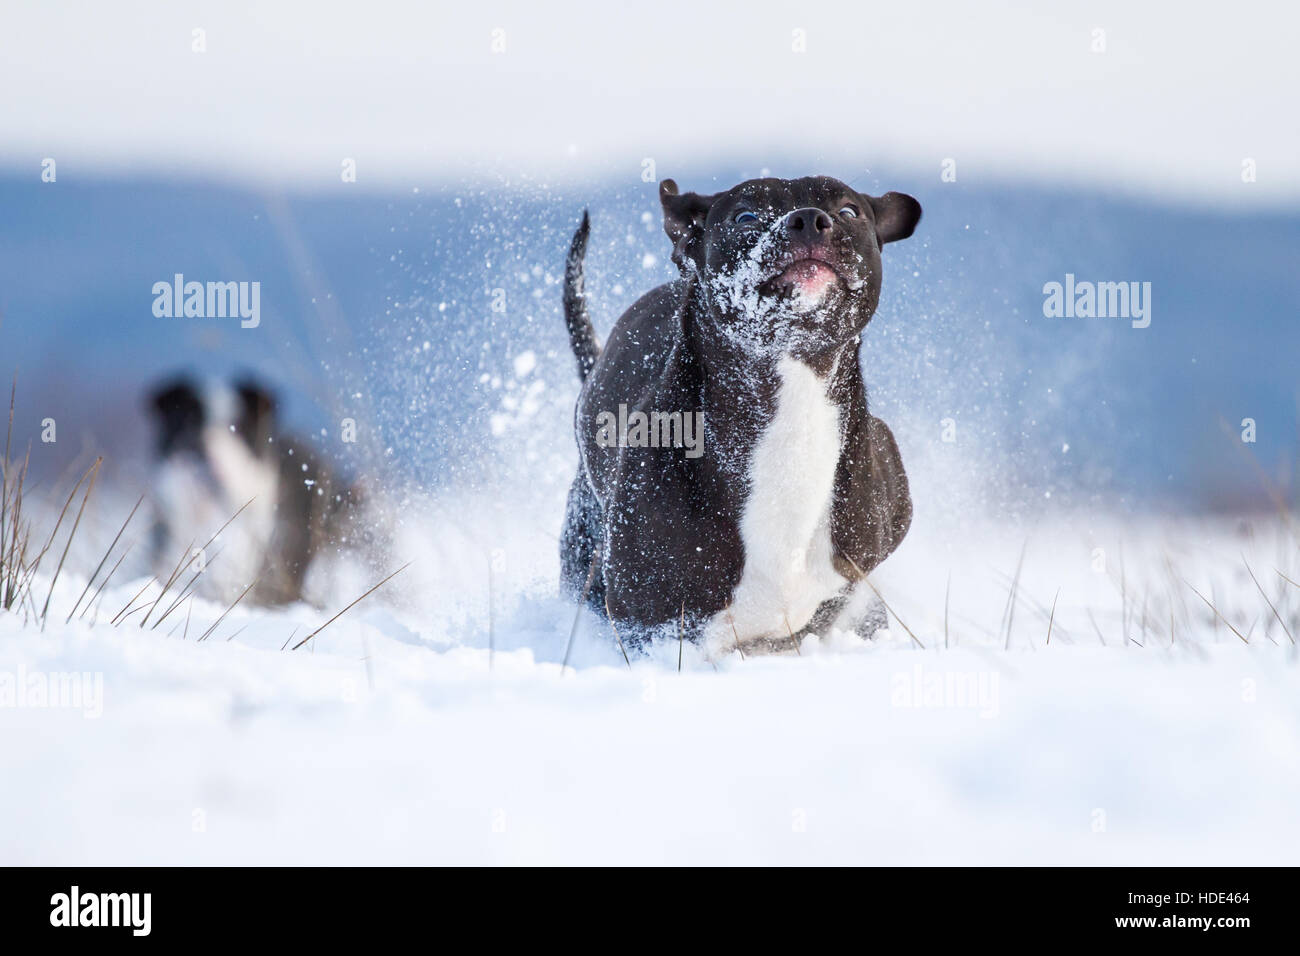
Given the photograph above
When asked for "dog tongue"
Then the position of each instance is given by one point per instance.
(810, 278)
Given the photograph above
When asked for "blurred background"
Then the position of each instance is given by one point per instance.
(403, 179)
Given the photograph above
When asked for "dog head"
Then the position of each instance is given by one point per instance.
(214, 457)
(183, 409)
(786, 264)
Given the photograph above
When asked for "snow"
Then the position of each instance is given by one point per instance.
(398, 736)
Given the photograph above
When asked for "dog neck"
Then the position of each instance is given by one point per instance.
(738, 388)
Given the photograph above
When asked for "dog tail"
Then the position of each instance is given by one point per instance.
(582, 337)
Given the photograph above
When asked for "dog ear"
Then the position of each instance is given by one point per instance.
(177, 413)
(684, 217)
(257, 408)
(173, 398)
(896, 216)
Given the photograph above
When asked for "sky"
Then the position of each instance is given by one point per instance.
(1103, 140)
(1168, 100)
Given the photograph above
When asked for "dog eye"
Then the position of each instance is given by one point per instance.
(745, 216)
(849, 212)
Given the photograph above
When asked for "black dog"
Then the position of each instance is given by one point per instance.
(798, 491)
(219, 449)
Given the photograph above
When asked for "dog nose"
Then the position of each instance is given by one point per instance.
(808, 223)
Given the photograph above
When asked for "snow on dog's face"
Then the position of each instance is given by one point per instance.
(791, 265)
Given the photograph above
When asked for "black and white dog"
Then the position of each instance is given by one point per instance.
(217, 449)
(798, 491)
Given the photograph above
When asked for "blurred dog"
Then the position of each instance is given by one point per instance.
(759, 530)
(218, 449)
